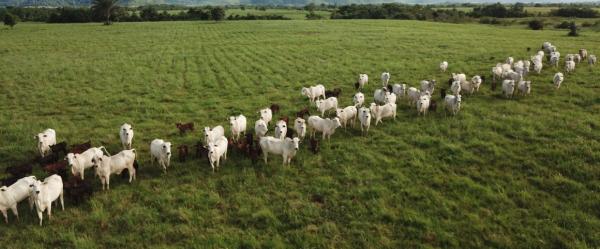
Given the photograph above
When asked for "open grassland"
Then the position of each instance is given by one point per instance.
(290, 13)
(519, 173)
(530, 9)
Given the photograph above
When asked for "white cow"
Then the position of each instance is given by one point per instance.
(126, 134)
(379, 95)
(358, 99)
(280, 129)
(347, 114)
(238, 126)
(161, 152)
(510, 60)
(476, 82)
(497, 72)
(216, 132)
(569, 66)
(216, 151)
(583, 53)
(385, 78)
(413, 95)
(260, 128)
(423, 104)
(467, 87)
(461, 77)
(453, 103)
(363, 79)
(300, 127)
(399, 89)
(313, 92)
(266, 115)
(558, 79)
(45, 139)
(80, 162)
(324, 105)
(44, 193)
(554, 60)
(524, 87)
(443, 66)
(326, 126)
(527, 67)
(364, 115)
(390, 98)
(108, 165)
(592, 59)
(428, 86)
(508, 88)
(455, 87)
(10, 196)
(537, 66)
(286, 148)
(383, 111)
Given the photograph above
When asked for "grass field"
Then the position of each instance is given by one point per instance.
(519, 173)
(529, 9)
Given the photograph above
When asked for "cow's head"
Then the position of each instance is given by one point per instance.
(336, 122)
(127, 130)
(34, 188)
(166, 148)
(296, 142)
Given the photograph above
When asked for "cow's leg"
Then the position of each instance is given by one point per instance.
(40, 216)
(15, 211)
(5, 215)
(265, 156)
(62, 200)
(50, 211)
(108, 182)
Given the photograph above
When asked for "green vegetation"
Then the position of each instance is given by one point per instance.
(10, 20)
(518, 173)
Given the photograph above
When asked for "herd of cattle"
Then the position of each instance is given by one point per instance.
(285, 142)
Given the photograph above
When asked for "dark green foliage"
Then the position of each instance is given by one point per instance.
(313, 16)
(105, 9)
(397, 11)
(573, 29)
(499, 10)
(562, 25)
(10, 20)
(217, 13)
(257, 17)
(536, 24)
(584, 12)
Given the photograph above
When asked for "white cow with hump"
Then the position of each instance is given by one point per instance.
(108, 165)
(347, 114)
(287, 148)
(126, 135)
(280, 129)
(216, 132)
(217, 150)
(385, 78)
(44, 193)
(324, 105)
(80, 162)
(364, 115)
(260, 128)
(238, 126)
(11, 196)
(160, 151)
(326, 126)
(266, 114)
(44, 140)
(300, 127)
(313, 92)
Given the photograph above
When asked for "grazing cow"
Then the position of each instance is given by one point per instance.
(428, 86)
(286, 147)
(126, 135)
(260, 128)
(238, 126)
(526, 67)
(592, 59)
(80, 162)
(280, 129)
(274, 108)
(453, 103)
(524, 87)
(383, 111)
(385, 78)
(333, 93)
(443, 66)
(266, 114)
(399, 89)
(558, 79)
(554, 60)
(461, 77)
(182, 128)
(423, 104)
(300, 127)
(496, 73)
(569, 66)
(45, 139)
(510, 60)
(363, 79)
(217, 150)
(80, 148)
(390, 98)
(432, 105)
(358, 99)
(314, 145)
(347, 114)
(326, 126)
(443, 93)
(379, 95)
(364, 115)
(476, 82)
(508, 88)
(108, 165)
(456, 87)
(313, 92)
(302, 113)
(59, 168)
(583, 53)
(77, 189)
(214, 133)
(326, 104)
(182, 152)
(10, 196)
(44, 193)
(20, 170)
(537, 66)
(201, 151)
(59, 147)
(413, 95)
(160, 151)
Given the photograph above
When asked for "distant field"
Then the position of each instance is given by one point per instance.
(534, 10)
(293, 14)
(518, 173)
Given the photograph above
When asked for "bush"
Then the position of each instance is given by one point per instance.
(586, 24)
(10, 20)
(573, 29)
(536, 24)
(575, 12)
(313, 16)
(217, 14)
(487, 20)
(562, 25)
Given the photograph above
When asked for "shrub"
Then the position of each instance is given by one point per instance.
(575, 12)
(586, 24)
(313, 16)
(217, 13)
(536, 24)
(562, 25)
(573, 29)
(10, 20)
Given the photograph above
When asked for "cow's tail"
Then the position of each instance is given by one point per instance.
(104, 149)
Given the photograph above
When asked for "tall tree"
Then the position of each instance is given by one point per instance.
(10, 20)
(105, 8)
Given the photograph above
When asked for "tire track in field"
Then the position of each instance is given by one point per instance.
(242, 82)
